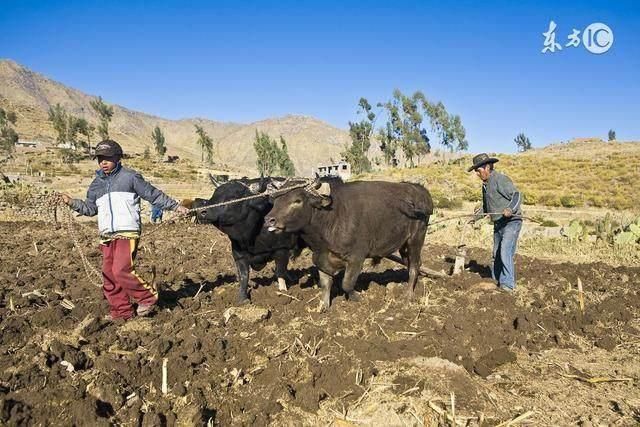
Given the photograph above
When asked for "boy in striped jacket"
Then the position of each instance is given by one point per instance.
(114, 195)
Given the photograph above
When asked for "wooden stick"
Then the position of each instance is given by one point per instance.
(199, 289)
(362, 397)
(382, 330)
(516, 420)
(580, 295)
(164, 375)
(458, 266)
(287, 295)
(453, 407)
(313, 299)
(424, 271)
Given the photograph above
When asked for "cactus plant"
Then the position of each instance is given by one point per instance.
(574, 231)
(625, 238)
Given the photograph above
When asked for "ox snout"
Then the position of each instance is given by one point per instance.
(272, 224)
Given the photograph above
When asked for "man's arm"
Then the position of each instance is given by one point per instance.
(507, 189)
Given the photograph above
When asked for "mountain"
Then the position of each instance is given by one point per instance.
(30, 95)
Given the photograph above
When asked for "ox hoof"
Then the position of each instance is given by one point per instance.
(410, 295)
(354, 296)
(323, 307)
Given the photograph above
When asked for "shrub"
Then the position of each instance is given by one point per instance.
(568, 201)
(445, 203)
(620, 203)
(549, 199)
(595, 201)
(530, 198)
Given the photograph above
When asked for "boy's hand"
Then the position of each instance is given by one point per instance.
(182, 210)
(65, 198)
(507, 213)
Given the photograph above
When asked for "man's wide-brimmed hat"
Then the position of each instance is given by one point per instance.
(481, 160)
(108, 148)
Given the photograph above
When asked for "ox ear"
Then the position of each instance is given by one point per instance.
(324, 189)
(321, 202)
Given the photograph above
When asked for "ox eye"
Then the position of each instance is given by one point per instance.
(297, 202)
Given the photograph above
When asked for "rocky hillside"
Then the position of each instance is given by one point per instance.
(31, 94)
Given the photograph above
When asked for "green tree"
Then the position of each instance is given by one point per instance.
(522, 142)
(389, 137)
(360, 133)
(447, 128)
(266, 155)
(206, 144)
(8, 136)
(105, 112)
(68, 127)
(159, 142)
(272, 158)
(404, 128)
(58, 118)
(285, 164)
(86, 129)
(612, 135)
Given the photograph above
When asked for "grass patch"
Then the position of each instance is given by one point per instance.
(577, 174)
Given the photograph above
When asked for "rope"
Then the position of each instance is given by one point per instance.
(228, 202)
(488, 213)
(93, 275)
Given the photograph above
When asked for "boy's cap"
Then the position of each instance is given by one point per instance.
(108, 148)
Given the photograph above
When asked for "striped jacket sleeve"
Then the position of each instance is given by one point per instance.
(152, 194)
(87, 207)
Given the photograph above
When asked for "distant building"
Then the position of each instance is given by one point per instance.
(341, 169)
(68, 146)
(27, 144)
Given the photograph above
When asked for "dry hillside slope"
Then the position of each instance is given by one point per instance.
(31, 94)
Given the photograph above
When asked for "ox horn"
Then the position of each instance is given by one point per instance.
(264, 182)
(316, 182)
(215, 183)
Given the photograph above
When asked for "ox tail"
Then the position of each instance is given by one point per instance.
(421, 213)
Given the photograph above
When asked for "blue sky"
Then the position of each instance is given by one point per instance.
(242, 62)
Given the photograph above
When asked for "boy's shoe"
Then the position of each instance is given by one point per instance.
(145, 310)
(110, 319)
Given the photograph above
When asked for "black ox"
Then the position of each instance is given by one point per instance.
(252, 245)
(345, 223)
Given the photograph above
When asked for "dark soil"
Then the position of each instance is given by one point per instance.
(61, 366)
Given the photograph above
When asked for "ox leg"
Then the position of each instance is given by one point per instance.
(326, 281)
(414, 251)
(242, 265)
(351, 274)
(282, 259)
